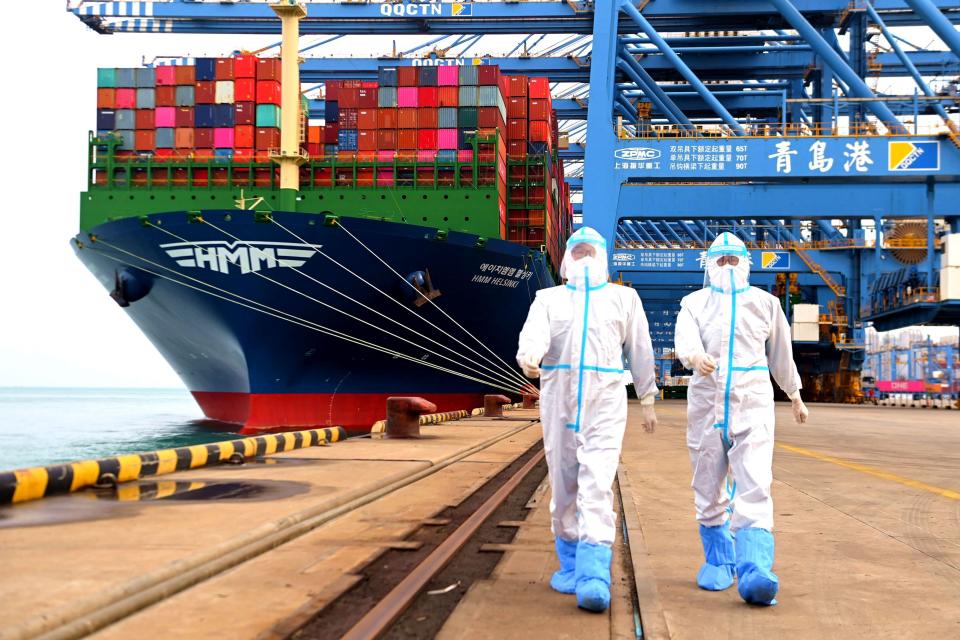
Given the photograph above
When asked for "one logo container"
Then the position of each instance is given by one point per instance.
(774, 259)
(904, 155)
(636, 153)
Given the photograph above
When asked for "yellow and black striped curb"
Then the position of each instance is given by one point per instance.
(380, 426)
(38, 482)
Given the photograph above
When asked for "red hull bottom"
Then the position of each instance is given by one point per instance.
(356, 412)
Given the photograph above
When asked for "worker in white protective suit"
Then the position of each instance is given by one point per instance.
(582, 331)
(734, 336)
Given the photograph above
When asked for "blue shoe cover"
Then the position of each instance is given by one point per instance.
(565, 580)
(593, 576)
(717, 572)
(755, 580)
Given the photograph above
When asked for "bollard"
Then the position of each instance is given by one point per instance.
(403, 416)
(529, 401)
(493, 405)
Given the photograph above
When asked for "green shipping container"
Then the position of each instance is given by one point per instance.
(106, 78)
(467, 117)
(268, 115)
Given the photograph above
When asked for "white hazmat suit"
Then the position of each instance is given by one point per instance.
(734, 337)
(582, 331)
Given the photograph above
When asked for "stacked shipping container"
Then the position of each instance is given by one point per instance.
(226, 108)
(414, 126)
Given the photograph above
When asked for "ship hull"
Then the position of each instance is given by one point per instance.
(297, 323)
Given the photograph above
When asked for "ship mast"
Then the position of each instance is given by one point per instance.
(289, 157)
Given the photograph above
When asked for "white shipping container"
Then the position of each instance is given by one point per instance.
(951, 248)
(224, 92)
(806, 332)
(950, 283)
(805, 313)
(950, 244)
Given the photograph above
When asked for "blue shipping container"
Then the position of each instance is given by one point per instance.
(204, 116)
(126, 78)
(331, 110)
(347, 139)
(206, 69)
(106, 119)
(223, 115)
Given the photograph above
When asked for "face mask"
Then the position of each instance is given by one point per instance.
(721, 278)
(577, 271)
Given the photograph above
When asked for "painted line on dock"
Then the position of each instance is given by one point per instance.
(34, 483)
(873, 471)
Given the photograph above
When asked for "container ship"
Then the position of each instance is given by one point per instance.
(429, 208)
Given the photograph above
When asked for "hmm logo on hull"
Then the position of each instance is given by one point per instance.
(247, 257)
(637, 153)
(913, 156)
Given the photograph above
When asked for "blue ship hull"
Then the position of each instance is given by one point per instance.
(251, 314)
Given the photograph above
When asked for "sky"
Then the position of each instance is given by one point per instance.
(58, 326)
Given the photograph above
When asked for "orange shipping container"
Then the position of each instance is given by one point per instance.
(106, 98)
(407, 118)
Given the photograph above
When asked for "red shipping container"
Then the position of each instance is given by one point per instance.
(387, 139)
(224, 69)
(488, 74)
(245, 113)
(185, 74)
(332, 90)
(427, 118)
(166, 96)
(268, 69)
(387, 118)
(200, 176)
(125, 99)
(183, 117)
(539, 131)
(202, 138)
(183, 138)
(349, 99)
(407, 139)
(205, 92)
(163, 153)
(518, 86)
(331, 131)
(516, 129)
(107, 98)
(367, 140)
(144, 119)
(539, 109)
(245, 66)
(245, 154)
(407, 118)
(367, 98)
(488, 117)
(351, 84)
(268, 92)
(407, 76)
(367, 119)
(517, 108)
(539, 88)
(165, 76)
(244, 90)
(244, 136)
(428, 96)
(315, 149)
(427, 139)
(348, 118)
(145, 140)
(448, 96)
(517, 149)
(267, 138)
